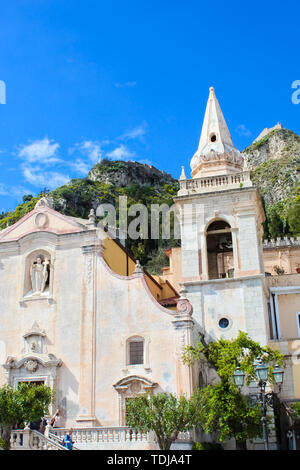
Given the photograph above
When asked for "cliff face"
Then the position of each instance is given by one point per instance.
(124, 174)
(275, 163)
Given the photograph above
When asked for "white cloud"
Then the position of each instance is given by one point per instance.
(3, 190)
(120, 153)
(40, 151)
(15, 192)
(81, 166)
(41, 178)
(135, 133)
(37, 157)
(90, 153)
(241, 129)
(125, 85)
(89, 148)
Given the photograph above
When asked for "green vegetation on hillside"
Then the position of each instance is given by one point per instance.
(80, 195)
(275, 163)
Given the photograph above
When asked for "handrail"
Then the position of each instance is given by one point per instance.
(24, 439)
(57, 439)
(43, 440)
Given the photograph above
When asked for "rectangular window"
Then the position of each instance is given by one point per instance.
(136, 352)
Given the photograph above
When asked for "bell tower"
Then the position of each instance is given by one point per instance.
(221, 219)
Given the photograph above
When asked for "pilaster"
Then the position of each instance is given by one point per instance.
(88, 337)
(183, 325)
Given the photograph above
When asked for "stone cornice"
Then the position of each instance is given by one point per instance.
(223, 280)
(56, 241)
(220, 194)
(46, 360)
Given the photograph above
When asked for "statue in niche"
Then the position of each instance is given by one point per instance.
(39, 275)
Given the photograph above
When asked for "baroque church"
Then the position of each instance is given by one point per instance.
(79, 314)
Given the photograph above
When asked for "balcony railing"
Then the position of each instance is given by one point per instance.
(214, 183)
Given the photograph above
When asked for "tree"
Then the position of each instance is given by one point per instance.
(294, 215)
(222, 407)
(25, 404)
(27, 197)
(163, 413)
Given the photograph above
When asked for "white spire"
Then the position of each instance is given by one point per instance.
(215, 134)
(215, 141)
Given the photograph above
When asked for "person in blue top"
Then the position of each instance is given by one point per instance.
(67, 440)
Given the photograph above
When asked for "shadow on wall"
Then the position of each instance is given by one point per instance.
(69, 409)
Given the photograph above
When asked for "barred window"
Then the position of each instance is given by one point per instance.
(136, 352)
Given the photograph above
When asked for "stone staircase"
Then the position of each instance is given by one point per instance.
(28, 439)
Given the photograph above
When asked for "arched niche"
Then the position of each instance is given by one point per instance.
(38, 275)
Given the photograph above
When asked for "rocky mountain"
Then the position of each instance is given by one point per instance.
(123, 174)
(275, 162)
(106, 181)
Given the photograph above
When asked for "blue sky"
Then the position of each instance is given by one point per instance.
(130, 80)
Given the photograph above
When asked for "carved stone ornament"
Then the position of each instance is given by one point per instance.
(231, 157)
(31, 366)
(44, 202)
(184, 306)
(136, 387)
(41, 220)
(33, 346)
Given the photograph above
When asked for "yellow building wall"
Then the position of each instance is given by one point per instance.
(116, 258)
(289, 305)
(173, 272)
(121, 263)
(296, 377)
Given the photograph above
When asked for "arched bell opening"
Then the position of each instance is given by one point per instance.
(219, 250)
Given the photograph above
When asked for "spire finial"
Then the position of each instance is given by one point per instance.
(138, 268)
(182, 176)
(92, 218)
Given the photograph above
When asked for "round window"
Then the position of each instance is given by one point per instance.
(213, 138)
(223, 322)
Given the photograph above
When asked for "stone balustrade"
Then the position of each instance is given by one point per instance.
(27, 439)
(114, 438)
(103, 434)
(105, 438)
(214, 183)
(286, 241)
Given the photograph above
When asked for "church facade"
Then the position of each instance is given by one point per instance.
(71, 322)
(80, 315)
